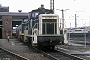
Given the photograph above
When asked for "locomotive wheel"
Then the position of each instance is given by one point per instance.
(52, 47)
(29, 43)
(39, 46)
(62, 42)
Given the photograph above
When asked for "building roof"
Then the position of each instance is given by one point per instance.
(14, 13)
(4, 9)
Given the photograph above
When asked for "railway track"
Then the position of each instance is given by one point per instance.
(52, 55)
(8, 55)
(65, 56)
(58, 55)
(35, 54)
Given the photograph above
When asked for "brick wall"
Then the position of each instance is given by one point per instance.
(7, 26)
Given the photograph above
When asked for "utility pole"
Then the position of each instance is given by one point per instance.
(85, 35)
(52, 5)
(64, 30)
(62, 18)
(69, 33)
(75, 21)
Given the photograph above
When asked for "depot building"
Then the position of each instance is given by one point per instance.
(8, 20)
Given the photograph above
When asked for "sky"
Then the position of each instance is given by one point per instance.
(79, 7)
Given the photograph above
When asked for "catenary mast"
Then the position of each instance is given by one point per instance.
(52, 5)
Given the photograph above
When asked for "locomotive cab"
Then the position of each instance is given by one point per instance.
(43, 29)
(48, 31)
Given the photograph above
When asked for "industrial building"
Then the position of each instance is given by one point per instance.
(8, 20)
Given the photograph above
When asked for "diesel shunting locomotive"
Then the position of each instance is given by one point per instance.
(41, 29)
